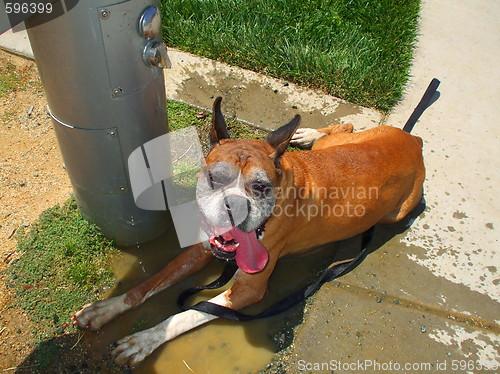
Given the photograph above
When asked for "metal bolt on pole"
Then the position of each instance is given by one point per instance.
(101, 67)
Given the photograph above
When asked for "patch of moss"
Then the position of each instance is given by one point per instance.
(63, 264)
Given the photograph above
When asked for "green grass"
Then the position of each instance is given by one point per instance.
(181, 115)
(15, 79)
(11, 79)
(358, 50)
(63, 264)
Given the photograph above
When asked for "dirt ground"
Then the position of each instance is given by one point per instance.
(32, 179)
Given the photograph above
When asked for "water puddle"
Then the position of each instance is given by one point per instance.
(220, 346)
(266, 103)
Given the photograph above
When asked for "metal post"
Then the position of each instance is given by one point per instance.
(99, 67)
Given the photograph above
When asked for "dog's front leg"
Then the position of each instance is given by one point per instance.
(132, 349)
(94, 316)
(248, 289)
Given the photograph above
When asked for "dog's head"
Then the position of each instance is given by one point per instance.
(235, 190)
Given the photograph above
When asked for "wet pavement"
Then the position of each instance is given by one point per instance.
(257, 99)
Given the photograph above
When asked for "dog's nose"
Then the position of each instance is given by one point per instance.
(237, 207)
(236, 203)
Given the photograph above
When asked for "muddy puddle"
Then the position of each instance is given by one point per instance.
(257, 99)
(259, 103)
(221, 346)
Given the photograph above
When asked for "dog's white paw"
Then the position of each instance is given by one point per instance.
(94, 316)
(306, 137)
(132, 349)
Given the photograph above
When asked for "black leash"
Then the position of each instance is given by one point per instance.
(286, 303)
(328, 275)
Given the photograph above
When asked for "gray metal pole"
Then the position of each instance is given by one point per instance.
(105, 101)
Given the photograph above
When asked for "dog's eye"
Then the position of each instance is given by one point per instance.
(215, 185)
(218, 181)
(260, 189)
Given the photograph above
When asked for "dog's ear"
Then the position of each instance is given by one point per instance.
(219, 127)
(280, 138)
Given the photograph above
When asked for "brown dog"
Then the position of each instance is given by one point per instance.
(346, 184)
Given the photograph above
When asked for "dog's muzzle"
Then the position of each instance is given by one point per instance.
(251, 256)
(237, 208)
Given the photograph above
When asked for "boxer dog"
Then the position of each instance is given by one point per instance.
(260, 203)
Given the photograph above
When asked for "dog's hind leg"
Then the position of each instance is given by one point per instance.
(410, 202)
(336, 128)
(306, 137)
(94, 316)
(248, 289)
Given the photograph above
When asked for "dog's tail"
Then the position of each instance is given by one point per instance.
(430, 96)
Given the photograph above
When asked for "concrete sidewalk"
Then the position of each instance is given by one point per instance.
(428, 297)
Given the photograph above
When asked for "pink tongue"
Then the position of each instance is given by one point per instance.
(251, 255)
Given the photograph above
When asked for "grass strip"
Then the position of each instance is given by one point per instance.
(358, 50)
